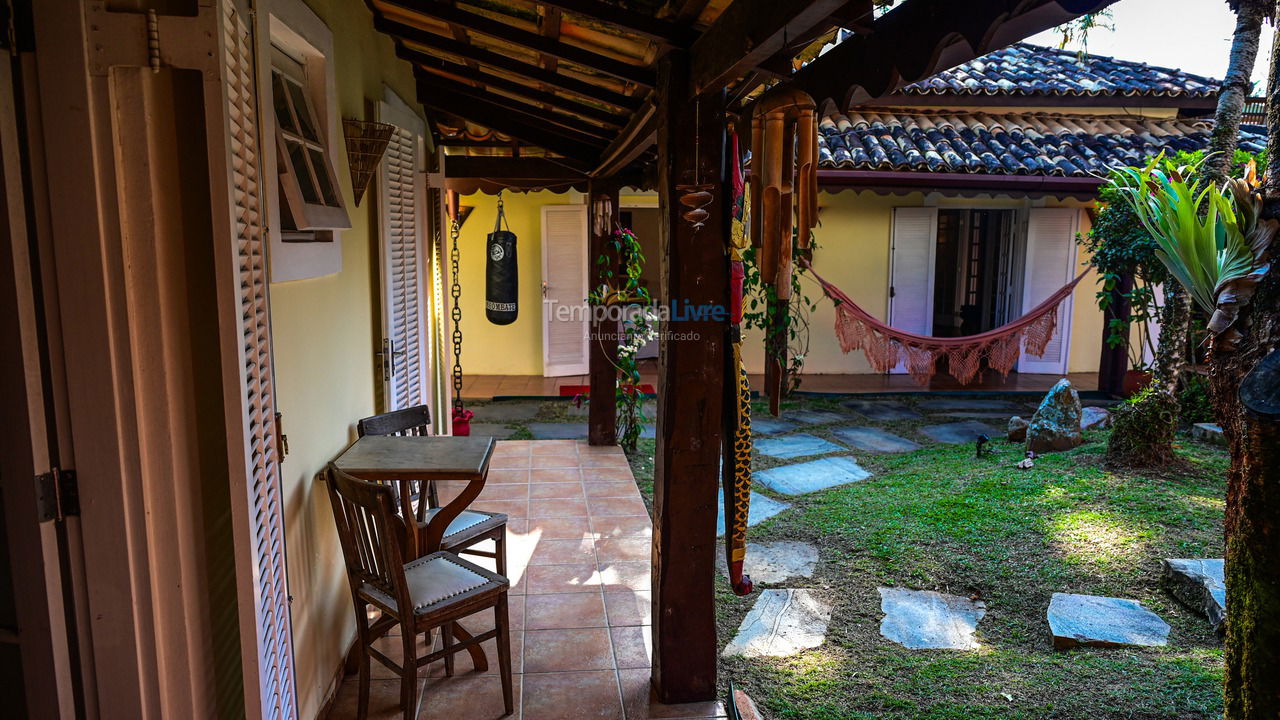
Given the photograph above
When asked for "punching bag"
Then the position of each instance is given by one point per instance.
(501, 279)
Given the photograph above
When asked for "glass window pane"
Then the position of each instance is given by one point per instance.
(283, 116)
(298, 158)
(303, 109)
(322, 178)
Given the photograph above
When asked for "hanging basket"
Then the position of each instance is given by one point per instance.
(366, 142)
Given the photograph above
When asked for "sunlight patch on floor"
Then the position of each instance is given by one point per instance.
(1092, 538)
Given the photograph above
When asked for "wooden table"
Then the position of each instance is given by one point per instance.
(406, 460)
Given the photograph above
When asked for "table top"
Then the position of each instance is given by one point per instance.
(431, 457)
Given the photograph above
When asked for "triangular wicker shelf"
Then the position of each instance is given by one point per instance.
(366, 143)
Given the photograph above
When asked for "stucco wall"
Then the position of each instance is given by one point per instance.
(325, 331)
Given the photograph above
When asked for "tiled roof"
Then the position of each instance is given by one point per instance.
(1005, 144)
(1025, 69)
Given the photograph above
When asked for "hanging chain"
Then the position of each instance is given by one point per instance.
(455, 313)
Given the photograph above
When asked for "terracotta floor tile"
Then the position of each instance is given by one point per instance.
(556, 490)
(510, 508)
(602, 461)
(516, 526)
(628, 607)
(510, 461)
(564, 650)
(555, 447)
(473, 697)
(555, 475)
(508, 444)
(613, 550)
(566, 610)
(483, 621)
(384, 699)
(562, 552)
(508, 449)
(611, 489)
(608, 474)
(502, 476)
(607, 526)
(572, 696)
(555, 461)
(642, 705)
(558, 528)
(557, 507)
(391, 646)
(548, 579)
(462, 664)
(602, 506)
(498, 491)
(632, 646)
(624, 576)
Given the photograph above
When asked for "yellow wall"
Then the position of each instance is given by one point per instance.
(514, 349)
(325, 331)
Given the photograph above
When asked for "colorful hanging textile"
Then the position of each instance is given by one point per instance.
(886, 347)
(736, 448)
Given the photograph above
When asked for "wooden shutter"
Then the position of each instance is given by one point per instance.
(564, 272)
(911, 270)
(1050, 264)
(275, 672)
(402, 260)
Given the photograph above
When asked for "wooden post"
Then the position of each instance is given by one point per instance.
(602, 199)
(695, 279)
(1114, 362)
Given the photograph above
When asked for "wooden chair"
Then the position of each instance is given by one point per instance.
(471, 527)
(431, 592)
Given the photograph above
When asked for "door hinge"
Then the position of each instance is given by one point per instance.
(57, 495)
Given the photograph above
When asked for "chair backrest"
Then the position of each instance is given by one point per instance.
(371, 533)
(415, 420)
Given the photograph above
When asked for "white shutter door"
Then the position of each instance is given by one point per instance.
(564, 273)
(1050, 264)
(911, 269)
(276, 693)
(402, 267)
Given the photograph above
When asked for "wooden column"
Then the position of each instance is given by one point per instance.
(1114, 362)
(602, 199)
(695, 278)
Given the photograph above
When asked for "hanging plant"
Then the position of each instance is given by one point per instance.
(791, 326)
(623, 287)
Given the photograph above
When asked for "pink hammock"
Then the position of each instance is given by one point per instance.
(886, 347)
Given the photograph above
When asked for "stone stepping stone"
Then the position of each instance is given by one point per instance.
(1208, 432)
(770, 426)
(883, 410)
(874, 440)
(763, 507)
(781, 623)
(494, 430)
(1198, 583)
(959, 433)
(649, 431)
(1094, 417)
(1094, 621)
(928, 620)
(794, 446)
(814, 417)
(964, 403)
(974, 414)
(558, 431)
(775, 562)
(504, 412)
(812, 476)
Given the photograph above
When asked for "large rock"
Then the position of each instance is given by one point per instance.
(1096, 621)
(1200, 584)
(1094, 417)
(927, 620)
(1056, 425)
(781, 623)
(1018, 429)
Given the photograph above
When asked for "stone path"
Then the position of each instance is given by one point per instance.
(778, 561)
(770, 426)
(927, 620)
(1094, 621)
(794, 446)
(494, 430)
(964, 403)
(959, 433)
(883, 410)
(1200, 584)
(974, 415)
(814, 417)
(506, 411)
(874, 440)
(557, 431)
(812, 476)
(781, 623)
(762, 508)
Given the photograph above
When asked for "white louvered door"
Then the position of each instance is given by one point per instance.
(911, 270)
(402, 213)
(275, 691)
(564, 290)
(1050, 263)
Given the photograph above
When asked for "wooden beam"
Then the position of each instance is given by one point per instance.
(747, 33)
(523, 168)
(634, 139)
(453, 71)
(690, 10)
(691, 385)
(623, 18)
(569, 126)
(498, 61)
(602, 425)
(530, 40)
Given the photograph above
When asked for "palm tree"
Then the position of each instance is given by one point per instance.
(1236, 84)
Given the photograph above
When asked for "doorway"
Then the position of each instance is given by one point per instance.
(974, 272)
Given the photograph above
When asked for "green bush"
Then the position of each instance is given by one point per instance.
(1143, 430)
(1194, 405)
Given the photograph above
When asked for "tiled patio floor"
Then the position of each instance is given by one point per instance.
(578, 547)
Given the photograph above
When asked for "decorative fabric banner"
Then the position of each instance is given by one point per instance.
(885, 347)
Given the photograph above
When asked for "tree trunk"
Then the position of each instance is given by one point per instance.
(1235, 88)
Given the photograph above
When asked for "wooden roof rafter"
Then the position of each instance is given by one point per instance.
(568, 123)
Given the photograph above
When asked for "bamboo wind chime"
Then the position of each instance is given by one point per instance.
(784, 211)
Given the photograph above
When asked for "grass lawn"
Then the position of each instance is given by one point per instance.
(939, 519)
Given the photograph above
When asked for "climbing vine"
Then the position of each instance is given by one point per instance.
(762, 313)
(620, 269)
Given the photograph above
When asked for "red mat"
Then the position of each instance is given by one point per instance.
(574, 390)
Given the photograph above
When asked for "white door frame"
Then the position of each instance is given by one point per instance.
(1030, 363)
(929, 270)
(550, 369)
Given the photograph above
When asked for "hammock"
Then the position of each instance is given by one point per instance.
(886, 347)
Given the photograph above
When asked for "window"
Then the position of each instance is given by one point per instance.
(311, 200)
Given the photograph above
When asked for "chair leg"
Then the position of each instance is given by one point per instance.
(504, 652)
(500, 551)
(362, 682)
(446, 641)
(409, 671)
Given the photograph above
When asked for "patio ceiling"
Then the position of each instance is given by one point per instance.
(572, 82)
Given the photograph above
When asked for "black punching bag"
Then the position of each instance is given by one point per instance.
(502, 280)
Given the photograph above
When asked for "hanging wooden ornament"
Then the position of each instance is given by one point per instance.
(366, 143)
(696, 197)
